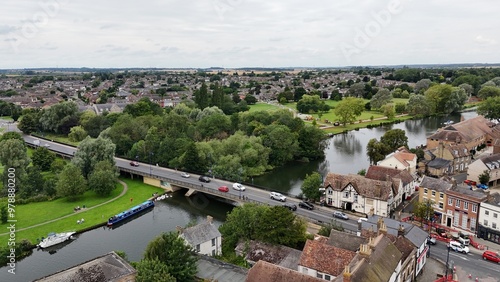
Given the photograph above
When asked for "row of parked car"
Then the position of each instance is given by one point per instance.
(474, 183)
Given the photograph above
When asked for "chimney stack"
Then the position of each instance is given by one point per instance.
(401, 230)
(210, 219)
(365, 251)
(347, 274)
(371, 243)
(382, 229)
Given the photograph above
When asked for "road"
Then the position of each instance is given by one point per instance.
(470, 263)
(318, 215)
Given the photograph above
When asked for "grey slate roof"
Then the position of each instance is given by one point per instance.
(345, 240)
(200, 233)
(438, 163)
(215, 270)
(435, 184)
(413, 233)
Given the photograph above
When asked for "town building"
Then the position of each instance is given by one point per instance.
(254, 251)
(462, 207)
(489, 164)
(489, 219)
(402, 159)
(264, 271)
(434, 190)
(205, 237)
(407, 181)
(458, 155)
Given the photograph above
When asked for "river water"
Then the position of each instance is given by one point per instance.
(346, 153)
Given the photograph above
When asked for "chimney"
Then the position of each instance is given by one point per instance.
(371, 243)
(179, 229)
(210, 219)
(365, 251)
(440, 149)
(380, 220)
(347, 274)
(401, 230)
(382, 229)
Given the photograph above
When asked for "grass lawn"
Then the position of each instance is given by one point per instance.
(263, 107)
(34, 213)
(340, 129)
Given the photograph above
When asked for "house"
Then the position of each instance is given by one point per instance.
(462, 207)
(323, 261)
(211, 269)
(254, 251)
(435, 190)
(434, 166)
(345, 240)
(109, 267)
(360, 194)
(381, 173)
(490, 164)
(489, 219)
(205, 238)
(402, 159)
(412, 233)
(458, 155)
(264, 271)
(471, 133)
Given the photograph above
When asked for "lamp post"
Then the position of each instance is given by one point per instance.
(447, 266)
(429, 225)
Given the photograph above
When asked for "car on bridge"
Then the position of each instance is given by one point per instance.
(277, 196)
(204, 178)
(223, 189)
(306, 205)
(134, 163)
(290, 206)
(340, 215)
(238, 186)
(185, 175)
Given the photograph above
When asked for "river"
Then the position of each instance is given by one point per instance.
(346, 153)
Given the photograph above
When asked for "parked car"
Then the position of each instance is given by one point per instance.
(489, 255)
(134, 163)
(482, 186)
(306, 205)
(290, 206)
(441, 232)
(204, 178)
(458, 247)
(340, 215)
(431, 240)
(361, 219)
(277, 196)
(185, 175)
(470, 182)
(239, 187)
(223, 189)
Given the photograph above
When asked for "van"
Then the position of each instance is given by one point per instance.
(463, 238)
(361, 219)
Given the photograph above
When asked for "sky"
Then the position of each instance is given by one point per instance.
(246, 33)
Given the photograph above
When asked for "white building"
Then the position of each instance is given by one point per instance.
(402, 159)
(489, 219)
(205, 238)
(491, 164)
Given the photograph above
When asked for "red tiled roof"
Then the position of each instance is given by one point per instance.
(325, 258)
(264, 271)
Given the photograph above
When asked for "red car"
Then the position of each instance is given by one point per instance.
(489, 255)
(223, 189)
(470, 182)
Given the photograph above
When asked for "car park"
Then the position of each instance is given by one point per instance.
(290, 206)
(491, 256)
(277, 196)
(238, 186)
(306, 205)
(185, 175)
(458, 247)
(223, 189)
(204, 178)
(134, 163)
(340, 215)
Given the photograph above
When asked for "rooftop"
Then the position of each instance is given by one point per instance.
(325, 258)
(264, 271)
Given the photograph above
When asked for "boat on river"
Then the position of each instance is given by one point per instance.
(130, 212)
(55, 238)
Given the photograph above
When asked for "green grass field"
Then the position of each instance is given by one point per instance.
(35, 213)
(263, 107)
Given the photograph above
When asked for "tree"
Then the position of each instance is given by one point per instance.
(490, 108)
(34, 182)
(299, 92)
(424, 210)
(250, 99)
(394, 139)
(356, 90)
(201, 97)
(95, 125)
(282, 142)
(488, 91)
(29, 123)
(11, 135)
(153, 270)
(43, 158)
(349, 109)
(484, 177)
(103, 179)
(13, 156)
(438, 96)
(311, 104)
(310, 186)
(92, 151)
(468, 88)
(389, 111)
(422, 85)
(4, 215)
(312, 143)
(77, 134)
(376, 150)
(57, 165)
(171, 250)
(190, 160)
(71, 182)
(382, 97)
(58, 117)
(418, 106)
(143, 107)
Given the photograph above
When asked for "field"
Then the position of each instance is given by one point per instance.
(261, 106)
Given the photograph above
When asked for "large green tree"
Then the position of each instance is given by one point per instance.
(143, 107)
(152, 270)
(382, 97)
(312, 143)
(13, 157)
(282, 142)
(349, 109)
(201, 97)
(490, 108)
(77, 133)
(418, 105)
(488, 91)
(311, 104)
(172, 251)
(394, 139)
(92, 151)
(71, 182)
(103, 179)
(29, 123)
(43, 158)
(310, 186)
(376, 151)
(59, 118)
(424, 210)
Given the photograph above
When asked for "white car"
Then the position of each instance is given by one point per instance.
(185, 175)
(239, 187)
(277, 196)
(458, 247)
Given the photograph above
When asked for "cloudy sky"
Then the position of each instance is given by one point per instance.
(246, 33)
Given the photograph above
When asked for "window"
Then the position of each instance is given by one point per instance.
(319, 275)
(474, 208)
(495, 215)
(485, 222)
(464, 221)
(456, 219)
(494, 225)
(425, 190)
(433, 193)
(486, 212)
(450, 202)
(304, 270)
(330, 192)
(213, 252)
(473, 224)
(441, 205)
(198, 248)
(213, 241)
(327, 277)
(457, 203)
(441, 195)
(346, 194)
(355, 198)
(466, 205)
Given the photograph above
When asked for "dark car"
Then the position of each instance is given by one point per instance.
(204, 178)
(290, 206)
(306, 205)
(134, 163)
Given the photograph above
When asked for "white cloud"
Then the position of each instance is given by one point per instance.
(237, 33)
